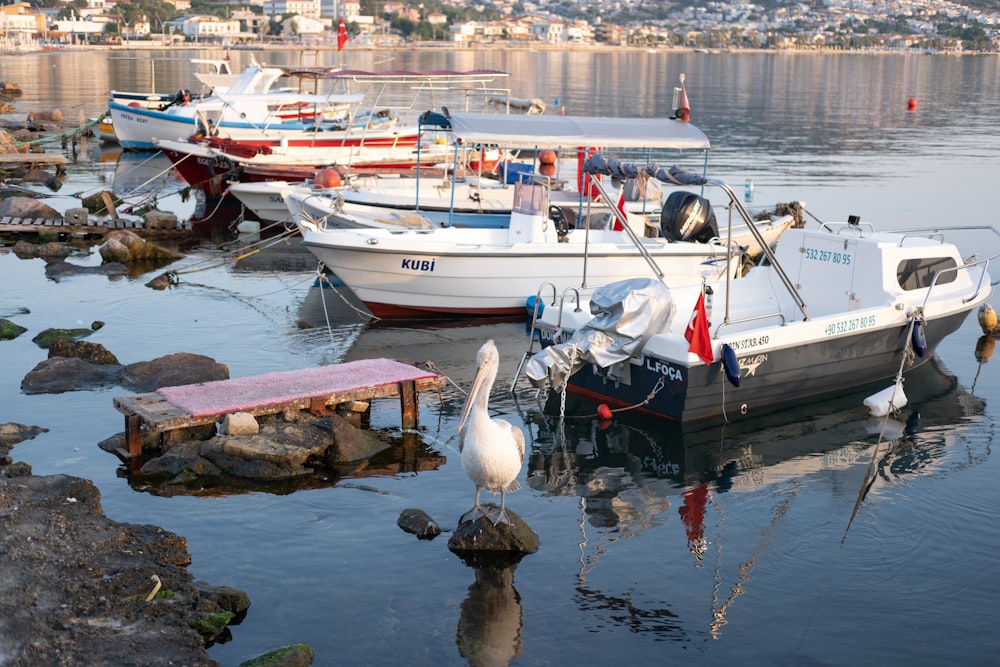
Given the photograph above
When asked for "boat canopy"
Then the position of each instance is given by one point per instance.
(405, 76)
(574, 131)
(288, 97)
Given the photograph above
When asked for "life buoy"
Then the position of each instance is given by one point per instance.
(731, 365)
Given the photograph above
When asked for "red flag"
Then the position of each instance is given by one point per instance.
(683, 111)
(341, 35)
(697, 333)
(621, 209)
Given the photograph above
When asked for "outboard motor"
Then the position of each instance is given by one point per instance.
(688, 217)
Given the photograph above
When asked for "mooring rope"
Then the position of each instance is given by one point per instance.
(59, 135)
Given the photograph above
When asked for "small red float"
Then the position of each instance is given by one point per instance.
(603, 411)
(547, 157)
(911, 104)
(328, 178)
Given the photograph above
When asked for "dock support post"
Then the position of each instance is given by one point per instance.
(408, 403)
(133, 435)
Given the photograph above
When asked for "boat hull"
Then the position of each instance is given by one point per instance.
(211, 172)
(137, 129)
(770, 374)
(478, 272)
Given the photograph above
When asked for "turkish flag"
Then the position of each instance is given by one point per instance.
(341, 35)
(697, 333)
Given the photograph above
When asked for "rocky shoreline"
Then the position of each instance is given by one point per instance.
(81, 589)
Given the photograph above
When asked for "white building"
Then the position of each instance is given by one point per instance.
(196, 28)
(302, 26)
(308, 8)
(348, 9)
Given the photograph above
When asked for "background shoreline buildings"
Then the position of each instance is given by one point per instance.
(849, 25)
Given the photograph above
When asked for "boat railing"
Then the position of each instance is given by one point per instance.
(966, 266)
(852, 225)
(728, 322)
(677, 176)
(620, 217)
(536, 308)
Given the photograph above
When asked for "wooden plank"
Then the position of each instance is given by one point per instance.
(32, 158)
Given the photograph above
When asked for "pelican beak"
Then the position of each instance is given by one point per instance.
(470, 398)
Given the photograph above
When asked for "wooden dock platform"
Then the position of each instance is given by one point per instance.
(172, 408)
(60, 226)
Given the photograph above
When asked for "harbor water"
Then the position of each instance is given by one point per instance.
(814, 535)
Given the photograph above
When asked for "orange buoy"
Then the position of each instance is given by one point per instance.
(603, 411)
(327, 178)
(547, 157)
(911, 104)
(546, 169)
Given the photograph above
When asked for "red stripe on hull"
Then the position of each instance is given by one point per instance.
(388, 310)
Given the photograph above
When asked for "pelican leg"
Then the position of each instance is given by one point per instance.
(501, 516)
(476, 511)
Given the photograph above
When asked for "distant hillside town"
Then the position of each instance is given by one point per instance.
(899, 25)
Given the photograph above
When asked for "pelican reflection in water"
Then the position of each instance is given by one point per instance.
(492, 450)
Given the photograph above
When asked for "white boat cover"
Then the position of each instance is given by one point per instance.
(576, 131)
(625, 314)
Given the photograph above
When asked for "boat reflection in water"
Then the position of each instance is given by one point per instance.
(634, 473)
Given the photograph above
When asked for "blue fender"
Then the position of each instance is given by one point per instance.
(731, 365)
(919, 338)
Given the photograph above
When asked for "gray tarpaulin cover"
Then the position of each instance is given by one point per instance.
(626, 314)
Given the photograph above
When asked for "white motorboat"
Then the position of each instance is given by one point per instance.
(250, 108)
(457, 271)
(833, 308)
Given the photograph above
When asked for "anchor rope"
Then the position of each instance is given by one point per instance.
(254, 249)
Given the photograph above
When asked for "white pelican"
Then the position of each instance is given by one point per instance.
(492, 450)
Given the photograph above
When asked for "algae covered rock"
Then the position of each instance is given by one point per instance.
(10, 330)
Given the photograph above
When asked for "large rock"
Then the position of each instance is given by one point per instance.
(61, 374)
(54, 250)
(479, 542)
(25, 250)
(418, 522)
(173, 370)
(295, 655)
(294, 450)
(26, 207)
(9, 330)
(350, 443)
(138, 248)
(12, 433)
(75, 583)
(160, 220)
(46, 337)
(93, 353)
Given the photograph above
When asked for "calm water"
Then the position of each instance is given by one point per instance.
(658, 544)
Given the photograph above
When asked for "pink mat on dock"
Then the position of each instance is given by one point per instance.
(226, 396)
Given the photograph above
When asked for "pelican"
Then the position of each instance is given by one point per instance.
(987, 318)
(492, 450)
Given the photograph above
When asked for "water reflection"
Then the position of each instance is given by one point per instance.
(634, 474)
(490, 623)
